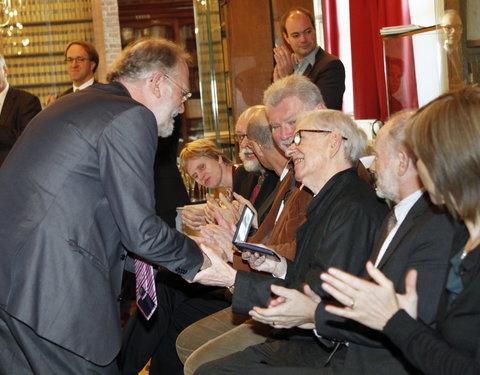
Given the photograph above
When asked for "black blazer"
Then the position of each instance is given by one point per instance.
(17, 111)
(424, 242)
(244, 182)
(341, 225)
(454, 347)
(328, 74)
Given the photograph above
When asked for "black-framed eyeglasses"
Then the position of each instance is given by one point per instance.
(297, 138)
(239, 137)
(185, 93)
(78, 59)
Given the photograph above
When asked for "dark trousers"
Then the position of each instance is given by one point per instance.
(279, 357)
(179, 305)
(22, 351)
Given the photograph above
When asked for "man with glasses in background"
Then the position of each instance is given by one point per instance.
(82, 62)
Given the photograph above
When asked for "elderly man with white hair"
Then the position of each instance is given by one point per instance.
(342, 221)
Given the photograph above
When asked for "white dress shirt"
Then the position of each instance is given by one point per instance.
(401, 210)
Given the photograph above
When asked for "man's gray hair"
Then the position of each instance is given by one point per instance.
(3, 64)
(329, 119)
(397, 127)
(258, 129)
(145, 57)
(293, 85)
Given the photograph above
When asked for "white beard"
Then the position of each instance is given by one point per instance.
(165, 129)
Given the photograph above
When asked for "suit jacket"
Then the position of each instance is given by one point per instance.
(75, 191)
(423, 241)
(243, 183)
(280, 235)
(18, 109)
(328, 74)
(454, 347)
(170, 191)
(342, 221)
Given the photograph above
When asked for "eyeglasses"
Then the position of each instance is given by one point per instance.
(185, 93)
(297, 138)
(79, 59)
(239, 137)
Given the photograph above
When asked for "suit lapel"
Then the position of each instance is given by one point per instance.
(309, 68)
(408, 223)
(7, 106)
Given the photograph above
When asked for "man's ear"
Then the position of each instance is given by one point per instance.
(335, 143)
(92, 66)
(285, 37)
(403, 162)
(321, 106)
(154, 84)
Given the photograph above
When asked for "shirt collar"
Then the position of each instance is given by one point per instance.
(85, 85)
(3, 95)
(403, 207)
(307, 60)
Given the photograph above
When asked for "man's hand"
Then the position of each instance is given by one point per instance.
(284, 60)
(220, 237)
(50, 100)
(228, 210)
(261, 263)
(290, 308)
(369, 303)
(220, 273)
(242, 201)
(194, 216)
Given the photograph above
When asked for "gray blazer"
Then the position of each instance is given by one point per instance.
(76, 191)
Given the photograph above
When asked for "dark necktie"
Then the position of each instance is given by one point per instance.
(145, 288)
(391, 222)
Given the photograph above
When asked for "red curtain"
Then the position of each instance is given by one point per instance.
(369, 89)
(330, 27)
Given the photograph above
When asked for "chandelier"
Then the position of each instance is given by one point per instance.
(9, 24)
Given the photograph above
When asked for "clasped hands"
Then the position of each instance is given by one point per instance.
(197, 216)
(289, 308)
(284, 62)
(369, 303)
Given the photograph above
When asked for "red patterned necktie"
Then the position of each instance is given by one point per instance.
(256, 189)
(145, 288)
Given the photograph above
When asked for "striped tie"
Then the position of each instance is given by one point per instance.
(145, 288)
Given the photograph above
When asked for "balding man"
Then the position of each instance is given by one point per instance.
(323, 69)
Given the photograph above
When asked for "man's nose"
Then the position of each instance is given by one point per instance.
(244, 142)
(287, 131)
(290, 151)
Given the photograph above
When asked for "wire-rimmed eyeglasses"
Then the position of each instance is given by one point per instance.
(185, 93)
(78, 59)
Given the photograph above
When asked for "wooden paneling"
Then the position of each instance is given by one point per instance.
(249, 36)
